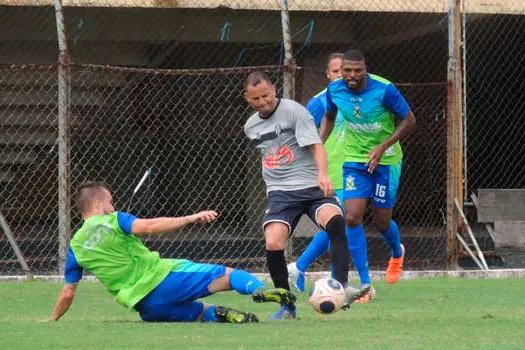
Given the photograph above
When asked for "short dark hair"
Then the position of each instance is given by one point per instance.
(354, 55)
(255, 78)
(333, 56)
(86, 193)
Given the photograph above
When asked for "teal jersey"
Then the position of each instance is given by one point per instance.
(334, 145)
(369, 117)
(119, 260)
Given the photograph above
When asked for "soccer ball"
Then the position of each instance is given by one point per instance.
(327, 296)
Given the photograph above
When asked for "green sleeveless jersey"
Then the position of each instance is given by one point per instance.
(120, 261)
(335, 144)
(334, 147)
(370, 117)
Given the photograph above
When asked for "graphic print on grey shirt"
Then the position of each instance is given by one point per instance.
(283, 139)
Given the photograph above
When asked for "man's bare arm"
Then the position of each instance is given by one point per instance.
(169, 224)
(404, 127)
(65, 299)
(321, 161)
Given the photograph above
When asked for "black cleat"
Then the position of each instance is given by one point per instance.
(227, 315)
(274, 295)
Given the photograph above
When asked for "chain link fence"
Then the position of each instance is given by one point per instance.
(28, 130)
(159, 87)
(409, 49)
(194, 145)
(494, 82)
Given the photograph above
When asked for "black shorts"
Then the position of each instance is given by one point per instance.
(288, 206)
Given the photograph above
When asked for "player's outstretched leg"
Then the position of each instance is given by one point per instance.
(277, 295)
(335, 228)
(227, 315)
(315, 249)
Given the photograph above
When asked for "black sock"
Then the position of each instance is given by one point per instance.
(339, 248)
(278, 269)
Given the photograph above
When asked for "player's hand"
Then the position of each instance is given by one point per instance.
(326, 185)
(374, 157)
(204, 217)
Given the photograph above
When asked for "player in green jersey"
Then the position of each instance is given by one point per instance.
(161, 290)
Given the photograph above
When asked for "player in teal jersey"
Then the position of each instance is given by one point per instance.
(161, 290)
(376, 117)
(334, 146)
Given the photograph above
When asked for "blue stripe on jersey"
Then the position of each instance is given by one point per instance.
(73, 271)
(125, 221)
(317, 107)
(394, 101)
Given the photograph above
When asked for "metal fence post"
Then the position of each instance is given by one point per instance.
(289, 65)
(289, 72)
(64, 210)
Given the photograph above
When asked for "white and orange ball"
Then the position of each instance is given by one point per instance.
(327, 296)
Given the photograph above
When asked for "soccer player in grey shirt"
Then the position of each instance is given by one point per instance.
(295, 173)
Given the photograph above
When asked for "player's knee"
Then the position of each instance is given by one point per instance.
(275, 243)
(353, 220)
(275, 237)
(382, 220)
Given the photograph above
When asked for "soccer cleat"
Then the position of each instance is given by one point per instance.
(274, 295)
(296, 277)
(354, 294)
(284, 313)
(367, 297)
(227, 315)
(395, 268)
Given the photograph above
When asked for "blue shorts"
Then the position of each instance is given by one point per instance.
(288, 206)
(381, 186)
(173, 300)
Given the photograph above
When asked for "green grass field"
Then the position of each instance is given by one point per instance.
(415, 314)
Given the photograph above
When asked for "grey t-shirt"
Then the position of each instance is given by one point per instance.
(287, 163)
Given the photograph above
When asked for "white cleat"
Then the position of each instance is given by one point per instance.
(296, 278)
(354, 294)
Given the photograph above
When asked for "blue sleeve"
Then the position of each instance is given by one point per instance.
(73, 271)
(394, 101)
(316, 108)
(330, 105)
(125, 221)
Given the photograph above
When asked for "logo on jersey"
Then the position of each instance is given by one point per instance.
(350, 183)
(97, 236)
(357, 111)
(276, 157)
(278, 129)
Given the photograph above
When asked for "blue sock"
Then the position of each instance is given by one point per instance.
(315, 249)
(359, 251)
(244, 282)
(209, 315)
(393, 239)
